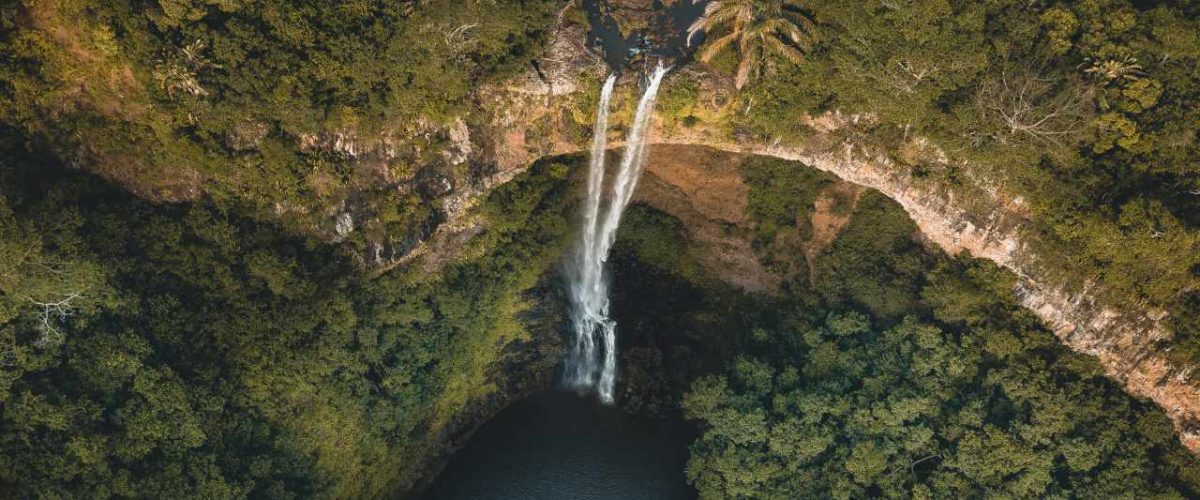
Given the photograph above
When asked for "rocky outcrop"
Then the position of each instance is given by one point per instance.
(1123, 340)
(546, 112)
(703, 188)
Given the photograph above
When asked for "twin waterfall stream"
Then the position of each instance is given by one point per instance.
(592, 360)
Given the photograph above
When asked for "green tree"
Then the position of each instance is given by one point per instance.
(757, 30)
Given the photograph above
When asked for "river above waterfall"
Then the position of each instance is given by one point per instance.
(559, 445)
(664, 36)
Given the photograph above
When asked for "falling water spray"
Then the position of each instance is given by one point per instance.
(589, 285)
(580, 362)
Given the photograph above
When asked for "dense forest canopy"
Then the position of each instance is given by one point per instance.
(192, 351)
(907, 375)
(174, 99)
(1085, 111)
(1082, 110)
(175, 321)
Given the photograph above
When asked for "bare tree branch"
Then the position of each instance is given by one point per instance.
(1026, 106)
(51, 313)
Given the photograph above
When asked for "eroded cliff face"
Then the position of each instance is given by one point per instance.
(1124, 341)
(536, 121)
(547, 112)
(703, 188)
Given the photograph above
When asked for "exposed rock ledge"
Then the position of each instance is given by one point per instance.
(1122, 340)
(530, 121)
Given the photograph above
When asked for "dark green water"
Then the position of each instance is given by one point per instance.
(667, 40)
(559, 445)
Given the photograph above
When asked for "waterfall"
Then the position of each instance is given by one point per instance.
(589, 286)
(580, 364)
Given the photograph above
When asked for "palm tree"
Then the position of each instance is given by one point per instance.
(759, 28)
(1112, 70)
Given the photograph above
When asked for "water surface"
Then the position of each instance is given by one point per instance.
(559, 445)
(667, 40)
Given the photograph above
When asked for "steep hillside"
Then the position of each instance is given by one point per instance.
(972, 215)
(322, 243)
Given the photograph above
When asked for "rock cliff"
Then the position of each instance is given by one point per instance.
(533, 118)
(546, 112)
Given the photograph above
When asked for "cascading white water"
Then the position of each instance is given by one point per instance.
(589, 286)
(580, 363)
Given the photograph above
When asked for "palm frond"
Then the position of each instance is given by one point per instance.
(793, 34)
(758, 27)
(713, 7)
(749, 63)
(782, 48)
(800, 20)
(712, 48)
(715, 19)
(736, 15)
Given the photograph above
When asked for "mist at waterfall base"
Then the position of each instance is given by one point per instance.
(592, 359)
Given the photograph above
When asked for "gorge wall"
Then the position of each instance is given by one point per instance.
(545, 112)
(533, 119)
